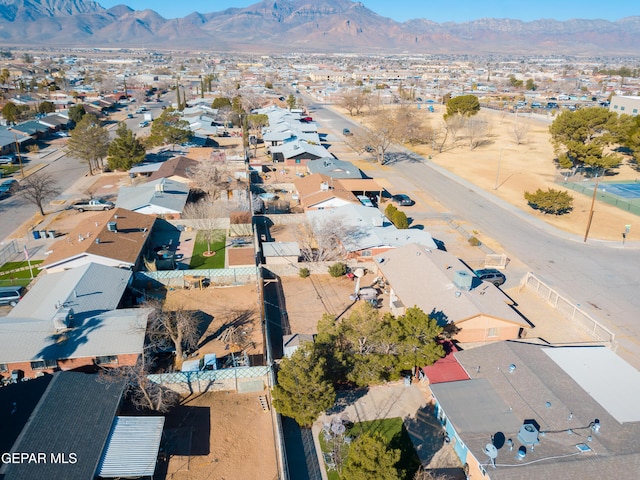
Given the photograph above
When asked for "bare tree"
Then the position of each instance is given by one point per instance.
(209, 218)
(141, 392)
(212, 178)
(324, 240)
(179, 327)
(353, 101)
(519, 132)
(39, 188)
(454, 124)
(477, 130)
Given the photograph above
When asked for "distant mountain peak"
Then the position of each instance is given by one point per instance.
(304, 25)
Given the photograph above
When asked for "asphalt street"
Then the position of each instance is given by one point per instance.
(601, 277)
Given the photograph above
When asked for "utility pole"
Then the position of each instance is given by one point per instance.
(593, 201)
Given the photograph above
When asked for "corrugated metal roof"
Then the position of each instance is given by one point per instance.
(132, 447)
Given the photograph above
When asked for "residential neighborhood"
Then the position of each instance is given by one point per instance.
(290, 259)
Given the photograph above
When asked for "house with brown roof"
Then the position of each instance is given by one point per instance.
(442, 286)
(117, 238)
(177, 169)
(319, 191)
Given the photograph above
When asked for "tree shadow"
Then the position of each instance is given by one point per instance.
(63, 343)
(344, 398)
(238, 318)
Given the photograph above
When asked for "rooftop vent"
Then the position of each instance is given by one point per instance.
(324, 186)
(62, 318)
(112, 226)
(463, 280)
(528, 434)
(377, 220)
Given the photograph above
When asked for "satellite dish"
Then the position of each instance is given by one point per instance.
(491, 451)
(359, 272)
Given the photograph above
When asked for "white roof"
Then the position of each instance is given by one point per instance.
(132, 448)
(610, 381)
(361, 232)
(280, 249)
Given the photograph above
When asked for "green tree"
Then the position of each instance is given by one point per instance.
(46, 107)
(370, 457)
(583, 137)
(530, 85)
(556, 202)
(169, 128)
(76, 112)
(89, 142)
(417, 344)
(255, 123)
(221, 102)
(303, 391)
(291, 101)
(125, 149)
(10, 112)
(465, 105)
(397, 217)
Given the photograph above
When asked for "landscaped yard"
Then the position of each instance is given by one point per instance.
(17, 273)
(201, 261)
(393, 430)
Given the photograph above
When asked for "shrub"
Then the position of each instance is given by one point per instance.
(401, 221)
(304, 272)
(337, 269)
(556, 202)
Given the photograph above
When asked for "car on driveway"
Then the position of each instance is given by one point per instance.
(366, 201)
(346, 132)
(491, 275)
(7, 159)
(402, 200)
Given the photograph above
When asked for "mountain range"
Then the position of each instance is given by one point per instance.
(322, 26)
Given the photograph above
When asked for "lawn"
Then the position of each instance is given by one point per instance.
(394, 431)
(21, 277)
(199, 261)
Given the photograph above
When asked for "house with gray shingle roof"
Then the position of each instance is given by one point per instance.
(545, 412)
(68, 320)
(444, 287)
(158, 197)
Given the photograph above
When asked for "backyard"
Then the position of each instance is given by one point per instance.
(208, 254)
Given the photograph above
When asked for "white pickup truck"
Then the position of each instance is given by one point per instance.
(93, 205)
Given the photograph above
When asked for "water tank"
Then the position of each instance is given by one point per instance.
(463, 280)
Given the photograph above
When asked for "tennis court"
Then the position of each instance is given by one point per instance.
(624, 190)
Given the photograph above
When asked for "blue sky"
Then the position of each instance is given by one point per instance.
(438, 11)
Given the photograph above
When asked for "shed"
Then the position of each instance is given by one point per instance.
(291, 343)
(280, 252)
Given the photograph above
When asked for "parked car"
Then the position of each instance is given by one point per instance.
(366, 201)
(491, 275)
(7, 159)
(129, 115)
(93, 205)
(11, 295)
(8, 186)
(143, 124)
(402, 200)
(346, 132)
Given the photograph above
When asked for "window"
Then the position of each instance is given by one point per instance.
(3, 367)
(365, 253)
(492, 332)
(622, 108)
(43, 364)
(107, 360)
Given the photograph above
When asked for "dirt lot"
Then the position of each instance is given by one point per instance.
(230, 436)
(233, 314)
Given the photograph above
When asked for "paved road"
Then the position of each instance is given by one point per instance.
(603, 277)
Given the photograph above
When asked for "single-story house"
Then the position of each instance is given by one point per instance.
(158, 197)
(116, 238)
(364, 231)
(334, 168)
(441, 285)
(70, 427)
(542, 411)
(179, 169)
(298, 152)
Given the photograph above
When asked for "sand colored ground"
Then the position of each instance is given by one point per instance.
(508, 170)
(231, 434)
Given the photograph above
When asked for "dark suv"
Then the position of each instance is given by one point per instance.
(491, 275)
